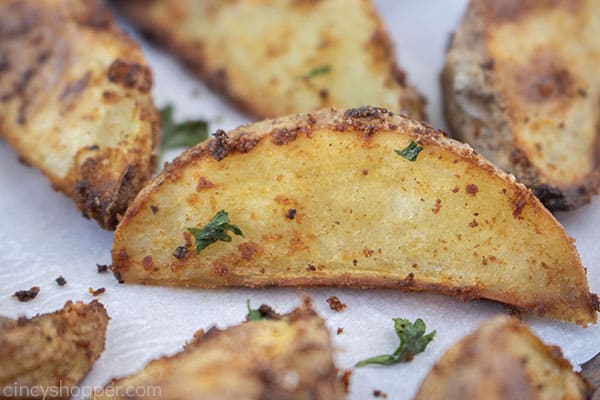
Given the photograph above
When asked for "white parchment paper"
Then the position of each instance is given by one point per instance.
(43, 236)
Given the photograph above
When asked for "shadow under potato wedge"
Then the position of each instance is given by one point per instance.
(75, 102)
(521, 86)
(48, 355)
(324, 199)
(504, 360)
(281, 357)
(279, 57)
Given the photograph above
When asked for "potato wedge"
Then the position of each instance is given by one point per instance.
(75, 102)
(504, 360)
(48, 355)
(324, 199)
(520, 85)
(287, 357)
(278, 57)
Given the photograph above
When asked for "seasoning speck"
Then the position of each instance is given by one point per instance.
(26, 295)
(291, 214)
(180, 252)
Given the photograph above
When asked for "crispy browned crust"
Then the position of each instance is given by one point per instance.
(51, 352)
(504, 360)
(60, 102)
(491, 99)
(365, 128)
(161, 22)
(283, 357)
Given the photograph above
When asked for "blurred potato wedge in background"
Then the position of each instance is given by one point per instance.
(279, 57)
(48, 355)
(502, 360)
(281, 357)
(521, 86)
(327, 199)
(75, 102)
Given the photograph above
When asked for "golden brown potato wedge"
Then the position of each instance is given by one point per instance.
(75, 102)
(278, 57)
(284, 357)
(48, 355)
(521, 86)
(324, 199)
(502, 360)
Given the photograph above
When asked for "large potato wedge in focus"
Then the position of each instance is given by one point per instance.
(75, 102)
(324, 199)
(278, 57)
(284, 357)
(48, 355)
(502, 360)
(521, 86)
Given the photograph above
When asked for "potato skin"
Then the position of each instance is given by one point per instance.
(51, 351)
(520, 85)
(364, 217)
(260, 54)
(288, 357)
(502, 360)
(75, 102)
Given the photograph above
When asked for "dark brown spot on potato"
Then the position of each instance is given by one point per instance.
(147, 263)
(130, 75)
(471, 189)
(204, 183)
(248, 250)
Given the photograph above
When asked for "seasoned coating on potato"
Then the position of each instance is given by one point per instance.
(75, 102)
(50, 353)
(289, 357)
(520, 85)
(364, 217)
(278, 57)
(502, 360)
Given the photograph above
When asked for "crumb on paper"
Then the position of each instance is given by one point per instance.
(102, 268)
(27, 295)
(379, 393)
(340, 330)
(96, 292)
(335, 304)
(61, 281)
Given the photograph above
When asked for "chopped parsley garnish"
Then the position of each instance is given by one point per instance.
(323, 69)
(214, 231)
(413, 341)
(184, 134)
(410, 152)
(253, 315)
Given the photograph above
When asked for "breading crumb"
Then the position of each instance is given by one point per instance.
(96, 292)
(102, 268)
(335, 304)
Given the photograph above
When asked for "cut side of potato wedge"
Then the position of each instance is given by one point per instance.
(48, 355)
(279, 57)
(520, 85)
(502, 360)
(282, 357)
(75, 102)
(331, 198)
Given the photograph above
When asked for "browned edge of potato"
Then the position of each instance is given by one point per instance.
(520, 85)
(75, 102)
(324, 200)
(282, 357)
(504, 360)
(280, 57)
(50, 354)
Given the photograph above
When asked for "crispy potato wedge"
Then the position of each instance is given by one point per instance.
(75, 102)
(51, 353)
(278, 57)
(504, 360)
(520, 85)
(323, 199)
(285, 357)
